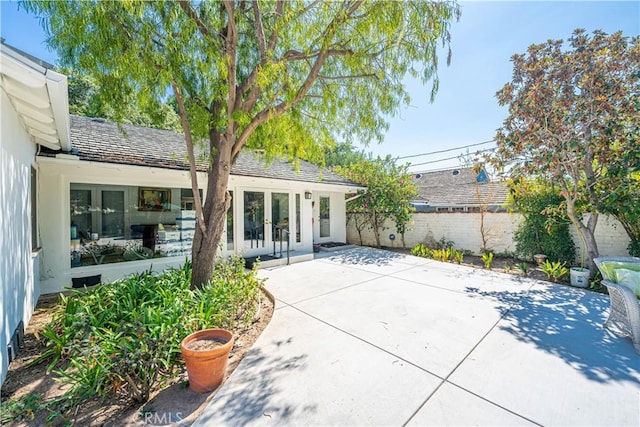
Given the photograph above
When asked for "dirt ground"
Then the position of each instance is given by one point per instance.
(174, 404)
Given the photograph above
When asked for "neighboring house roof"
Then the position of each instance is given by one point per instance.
(39, 96)
(99, 140)
(459, 187)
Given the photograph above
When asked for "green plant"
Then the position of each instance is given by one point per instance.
(443, 243)
(124, 337)
(458, 256)
(442, 254)
(554, 270)
(545, 227)
(487, 260)
(523, 267)
(595, 283)
(422, 251)
(507, 267)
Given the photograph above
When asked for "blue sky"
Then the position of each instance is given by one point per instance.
(465, 110)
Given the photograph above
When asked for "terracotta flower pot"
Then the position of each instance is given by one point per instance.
(206, 367)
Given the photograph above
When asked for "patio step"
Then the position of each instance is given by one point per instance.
(267, 261)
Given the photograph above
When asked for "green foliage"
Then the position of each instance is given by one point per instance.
(458, 256)
(487, 260)
(87, 99)
(287, 77)
(124, 337)
(390, 190)
(444, 253)
(523, 267)
(554, 270)
(573, 121)
(595, 283)
(24, 409)
(545, 228)
(422, 251)
(624, 205)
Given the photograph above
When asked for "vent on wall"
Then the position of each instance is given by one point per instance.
(17, 339)
(418, 175)
(455, 172)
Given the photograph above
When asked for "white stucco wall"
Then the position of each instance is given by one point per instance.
(19, 291)
(464, 230)
(57, 175)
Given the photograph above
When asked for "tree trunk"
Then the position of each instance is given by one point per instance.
(217, 202)
(589, 246)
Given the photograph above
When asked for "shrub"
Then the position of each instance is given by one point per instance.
(124, 337)
(487, 260)
(422, 251)
(545, 228)
(554, 270)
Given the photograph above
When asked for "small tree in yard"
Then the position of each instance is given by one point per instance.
(574, 121)
(285, 76)
(390, 190)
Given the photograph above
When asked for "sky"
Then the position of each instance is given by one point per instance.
(465, 110)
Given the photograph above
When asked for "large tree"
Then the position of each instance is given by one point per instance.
(285, 76)
(574, 119)
(86, 99)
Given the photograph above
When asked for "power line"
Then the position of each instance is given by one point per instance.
(445, 151)
(448, 158)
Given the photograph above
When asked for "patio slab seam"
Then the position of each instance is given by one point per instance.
(331, 291)
(446, 379)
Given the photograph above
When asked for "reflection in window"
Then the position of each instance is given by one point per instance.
(107, 226)
(230, 224)
(325, 216)
(297, 218)
(254, 218)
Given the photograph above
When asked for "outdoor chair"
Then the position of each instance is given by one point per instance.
(624, 314)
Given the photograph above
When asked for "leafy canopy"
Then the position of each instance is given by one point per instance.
(390, 190)
(336, 68)
(574, 119)
(290, 77)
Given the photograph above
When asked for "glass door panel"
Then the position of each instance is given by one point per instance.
(325, 216)
(254, 236)
(280, 218)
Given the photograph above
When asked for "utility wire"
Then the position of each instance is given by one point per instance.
(445, 151)
(448, 158)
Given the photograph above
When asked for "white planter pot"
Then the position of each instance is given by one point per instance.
(579, 277)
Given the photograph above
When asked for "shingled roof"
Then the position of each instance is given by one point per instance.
(458, 187)
(98, 140)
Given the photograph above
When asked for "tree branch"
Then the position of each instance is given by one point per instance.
(188, 10)
(192, 159)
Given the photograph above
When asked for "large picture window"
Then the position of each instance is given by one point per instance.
(110, 224)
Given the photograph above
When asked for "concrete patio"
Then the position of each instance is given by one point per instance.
(369, 337)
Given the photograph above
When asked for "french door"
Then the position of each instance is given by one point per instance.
(267, 222)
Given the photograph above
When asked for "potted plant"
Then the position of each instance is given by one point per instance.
(205, 354)
(580, 275)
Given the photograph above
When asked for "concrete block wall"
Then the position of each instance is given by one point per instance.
(464, 230)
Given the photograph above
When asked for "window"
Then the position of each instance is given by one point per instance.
(325, 216)
(34, 208)
(109, 225)
(230, 224)
(298, 237)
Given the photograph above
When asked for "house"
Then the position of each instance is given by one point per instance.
(86, 200)
(458, 190)
(121, 202)
(35, 114)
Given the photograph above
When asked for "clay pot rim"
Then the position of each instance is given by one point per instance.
(208, 333)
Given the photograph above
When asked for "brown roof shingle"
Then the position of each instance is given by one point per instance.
(99, 140)
(458, 187)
